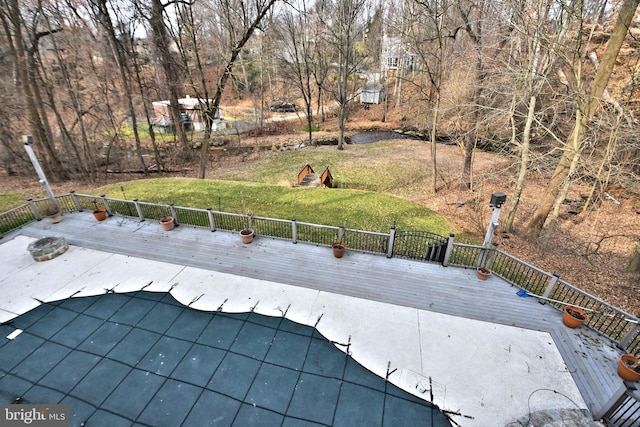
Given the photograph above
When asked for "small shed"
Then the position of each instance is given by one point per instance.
(372, 93)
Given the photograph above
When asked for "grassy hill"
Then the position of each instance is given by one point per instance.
(365, 210)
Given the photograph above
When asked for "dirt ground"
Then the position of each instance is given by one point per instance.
(590, 250)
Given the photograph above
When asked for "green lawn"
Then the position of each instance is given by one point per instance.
(11, 199)
(365, 210)
(377, 183)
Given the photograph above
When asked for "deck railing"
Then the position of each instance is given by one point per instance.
(623, 409)
(605, 318)
(621, 327)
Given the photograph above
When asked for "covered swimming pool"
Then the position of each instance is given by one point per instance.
(144, 359)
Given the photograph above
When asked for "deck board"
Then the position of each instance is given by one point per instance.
(590, 358)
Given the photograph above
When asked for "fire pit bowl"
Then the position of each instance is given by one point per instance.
(47, 248)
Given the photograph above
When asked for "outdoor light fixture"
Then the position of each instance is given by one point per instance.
(497, 200)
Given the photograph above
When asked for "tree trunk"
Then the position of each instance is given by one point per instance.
(562, 195)
(470, 143)
(634, 264)
(472, 140)
(573, 147)
(599, 182)
(119, 56)
(85, 161)
(522, 171)
(434, 161)
(147, 114)
(212, 107)
(172, 76)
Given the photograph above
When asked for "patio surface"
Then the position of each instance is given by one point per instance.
(481, 367)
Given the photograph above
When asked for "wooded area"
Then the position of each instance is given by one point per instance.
(551, 83)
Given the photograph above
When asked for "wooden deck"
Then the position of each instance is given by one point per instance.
(591, 358)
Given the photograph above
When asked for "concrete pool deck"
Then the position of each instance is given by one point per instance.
(488, 374)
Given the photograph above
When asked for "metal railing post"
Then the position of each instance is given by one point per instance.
(212, 223)
(174, 214)
(624, 342)
(105, 202)
(447, 252)
(34, 209)
(392, 238)
(294, 231)
(76, 202)
(138, 209)
(550, 287)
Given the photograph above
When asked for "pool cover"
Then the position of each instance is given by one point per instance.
(144, 359)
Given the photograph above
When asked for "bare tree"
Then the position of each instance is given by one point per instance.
(345, 29)
(23, 51)
(102, 16)
(62, 45)
(242, 20)
(296, 57)
(319, 56)
(169, 64)
(188, 36)
(431, 31)
(537, 48)
(586, 111)
(634, 264)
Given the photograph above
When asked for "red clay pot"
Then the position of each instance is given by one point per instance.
(625, 372)
(572, 321)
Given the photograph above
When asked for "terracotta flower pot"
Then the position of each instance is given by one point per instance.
(100, 214)
(338, 249)
(167, 223)
(483, 273)
(574, 316)
(625, 371)
(247, 235)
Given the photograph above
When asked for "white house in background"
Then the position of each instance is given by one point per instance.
(190, 111)
(396, 55)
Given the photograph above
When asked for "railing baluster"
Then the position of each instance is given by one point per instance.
(106, 206)
(212, 223)
(551, 286)
(294, 231)
(76, 202)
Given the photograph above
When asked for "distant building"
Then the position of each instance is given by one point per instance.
(372, 93)
(190, 111)
(396, 55)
